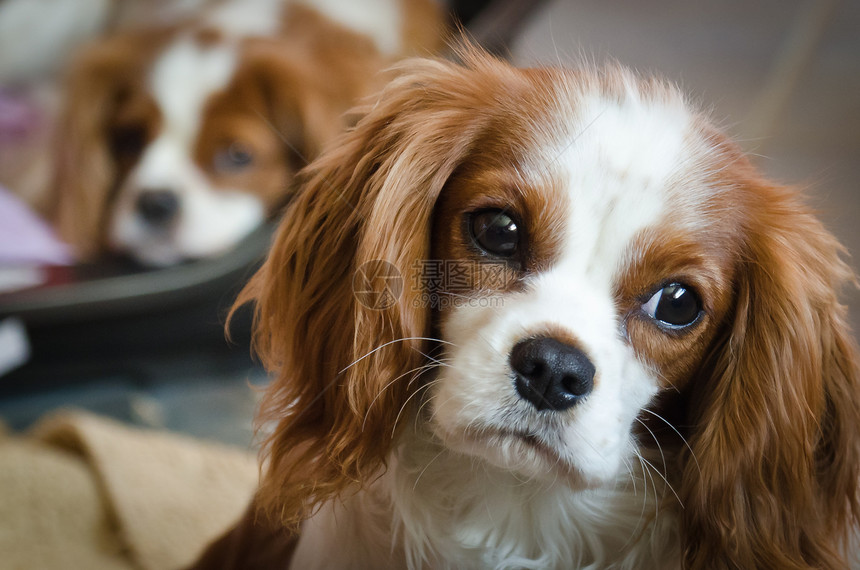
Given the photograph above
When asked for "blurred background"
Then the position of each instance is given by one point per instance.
(146, 345)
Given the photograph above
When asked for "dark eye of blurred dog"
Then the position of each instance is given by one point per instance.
(235, 157)
(495, 232)
(128, 141)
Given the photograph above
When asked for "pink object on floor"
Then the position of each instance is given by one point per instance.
(25, 239)
(20, 116)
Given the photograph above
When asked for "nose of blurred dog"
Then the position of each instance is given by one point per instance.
(158, 206)
(550, 374)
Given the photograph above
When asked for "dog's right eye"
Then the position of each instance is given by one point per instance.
(495, 232)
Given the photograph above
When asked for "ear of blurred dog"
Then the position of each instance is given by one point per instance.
(774, 478)
(368, 199)
(85, 169)
(305, 92)
(309, 82)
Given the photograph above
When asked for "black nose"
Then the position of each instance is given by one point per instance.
(550, 374)
(157, 207)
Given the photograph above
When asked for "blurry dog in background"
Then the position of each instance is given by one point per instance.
(38, 38)
(175, 142)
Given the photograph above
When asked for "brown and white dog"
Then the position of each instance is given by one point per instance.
(660, 376)
(177, 142)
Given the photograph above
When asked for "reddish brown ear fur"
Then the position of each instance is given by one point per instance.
(342, 368)
(776, 416)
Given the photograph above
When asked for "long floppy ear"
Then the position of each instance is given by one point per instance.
(776, 421)
(342, 361)
(84, 170)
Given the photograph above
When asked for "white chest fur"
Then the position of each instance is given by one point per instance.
(437, 509)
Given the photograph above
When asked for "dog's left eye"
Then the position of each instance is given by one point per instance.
(234, 157)
(676, 305)
(495, 232)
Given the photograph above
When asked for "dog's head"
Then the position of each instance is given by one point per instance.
(176, 143)
(570, 266)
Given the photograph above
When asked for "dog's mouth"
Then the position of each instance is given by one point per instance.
(520, 450)
(533, 441)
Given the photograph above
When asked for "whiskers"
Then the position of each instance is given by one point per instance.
(649, 469)
(657, 473)
(674, 429)
(430, 363)
(423, 388)
(389, 343)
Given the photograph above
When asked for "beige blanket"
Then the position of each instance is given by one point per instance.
(85, 492)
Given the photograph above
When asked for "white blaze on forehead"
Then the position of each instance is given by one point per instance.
(181, 81)
(617, 164)
(184, 78)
